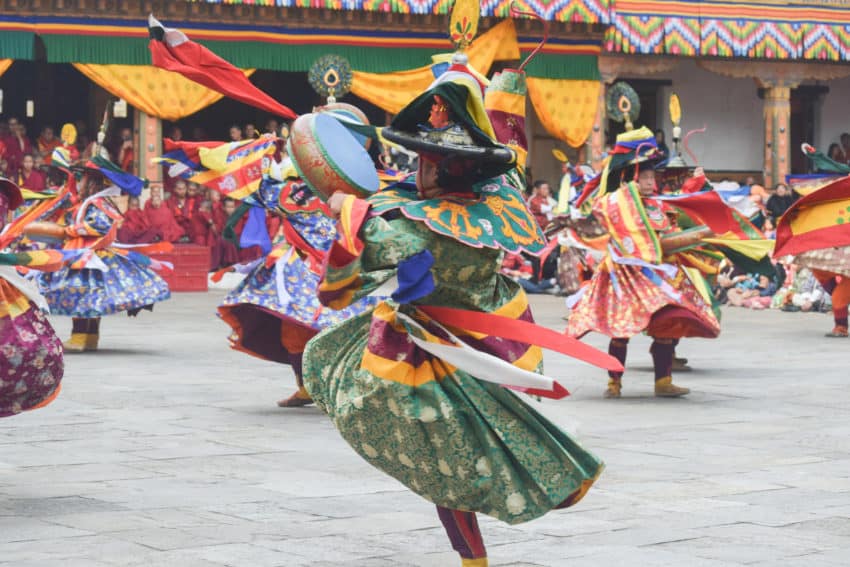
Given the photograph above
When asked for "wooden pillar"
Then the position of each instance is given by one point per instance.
(595, 146)
(777, 134)
(148, 145)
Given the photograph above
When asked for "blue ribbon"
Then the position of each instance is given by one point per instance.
(415, 280)
(255, 233)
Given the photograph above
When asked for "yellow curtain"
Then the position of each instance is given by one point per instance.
(567, 108)
(392, 91)
(152, 90)
(4, 65)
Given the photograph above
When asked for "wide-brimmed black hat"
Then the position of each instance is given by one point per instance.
(448, 123)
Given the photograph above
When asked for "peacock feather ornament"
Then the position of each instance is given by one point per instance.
(330, 76)
(623, 104)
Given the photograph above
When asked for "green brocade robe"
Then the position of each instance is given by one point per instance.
(459, 442)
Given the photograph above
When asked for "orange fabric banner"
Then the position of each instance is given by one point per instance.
(566, 107)
(392, 91)
(4, 65)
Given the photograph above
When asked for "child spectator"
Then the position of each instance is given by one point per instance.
(194, 194)
(755, 292)
(136, 227)
(516, 267)
(28, 176)
(769, 228)
(161, 219)
(541, 203)
(182, 207)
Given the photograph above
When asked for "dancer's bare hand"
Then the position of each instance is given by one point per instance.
(335, 203)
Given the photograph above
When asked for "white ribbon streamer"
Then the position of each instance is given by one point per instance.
(111, 191)
(478, 364)
(387, 288)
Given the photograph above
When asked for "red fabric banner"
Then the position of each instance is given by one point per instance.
(172, 50)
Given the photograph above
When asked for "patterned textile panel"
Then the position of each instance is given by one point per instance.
(586, 11)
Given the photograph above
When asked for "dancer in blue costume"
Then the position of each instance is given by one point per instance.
(275, 310)
(107, 279)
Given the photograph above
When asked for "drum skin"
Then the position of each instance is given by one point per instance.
(329, 159)
(350, 113)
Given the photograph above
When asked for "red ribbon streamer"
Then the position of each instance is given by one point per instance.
(524, 332)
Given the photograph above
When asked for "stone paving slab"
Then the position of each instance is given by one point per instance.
(166, 449)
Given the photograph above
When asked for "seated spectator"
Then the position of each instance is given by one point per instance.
(834, 153)
(543, 278)
(194, 193)
(17, 144)
(541, 203)
(758, 194)
(47, 141)
(39, 159)
(516, 267)
(805, 294)
(769, 228)
(136, 227)
(780, 201)
(161, 219)
(28, 177)
(230, 252)
(271, 126)
(753, 292)
(125, 153)
(203, 232)
(182, 207)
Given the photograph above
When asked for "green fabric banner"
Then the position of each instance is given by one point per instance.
(245, 55)
(553, 66)
(19, 45)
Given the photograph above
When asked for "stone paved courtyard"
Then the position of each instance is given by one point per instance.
(166, 449)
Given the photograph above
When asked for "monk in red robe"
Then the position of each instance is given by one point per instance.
(29, 177)
(182, 207)
(136, 228)
(161, 219)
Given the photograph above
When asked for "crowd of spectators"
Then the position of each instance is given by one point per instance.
(180, 212)
(774, 284)
(191, 214)
(23, 158)
(840, 151)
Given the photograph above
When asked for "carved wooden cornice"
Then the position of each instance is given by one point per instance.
(770, 74)
(613, 66)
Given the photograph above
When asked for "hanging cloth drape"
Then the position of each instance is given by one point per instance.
(154, 91)
(4, 65)
(392, 91)
(566, 108)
